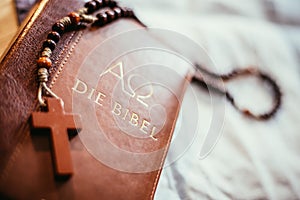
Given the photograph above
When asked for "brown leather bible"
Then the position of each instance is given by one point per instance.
(127, 99)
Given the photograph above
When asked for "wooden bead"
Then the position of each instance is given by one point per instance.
(110, 15)
(112, 4)
(118, 12)
(55, 36)
(247, 113)
(99, 4)
(58, 27)
(91, 6)
(122, 12)
(102, 19)
(50, 44)
(75, 18)
(126, 12)
(129, 13)
(44, 62)
(106, 2)
(265, 116)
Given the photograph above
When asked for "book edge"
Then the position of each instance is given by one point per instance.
(25, 26)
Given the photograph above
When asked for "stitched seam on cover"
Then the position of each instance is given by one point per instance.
(60, 68)
(21, 142)
(65, 47)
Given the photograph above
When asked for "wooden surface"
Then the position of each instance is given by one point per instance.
(8, 23)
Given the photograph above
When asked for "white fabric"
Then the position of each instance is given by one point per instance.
(252, 159)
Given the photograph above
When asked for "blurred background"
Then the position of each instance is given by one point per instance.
(252, 159)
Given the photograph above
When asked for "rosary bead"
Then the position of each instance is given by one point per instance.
(129, 13)
(112, 4)
(58, 27)
(106, 2)
(122, 12)
(248, 113)
(74, 17)
(117, 11)
(267, 115)
(99, 4)
(49, 43)
(102, 19)
(126, 12)
(44, 62)
(55, 36)
(46, 52)
(91, 6)
(110, 15)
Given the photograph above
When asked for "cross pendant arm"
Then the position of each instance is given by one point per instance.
(59, 123)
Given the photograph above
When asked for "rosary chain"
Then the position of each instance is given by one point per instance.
(276, 93)
(70, 22)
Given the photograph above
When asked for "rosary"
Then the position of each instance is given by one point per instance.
(53, 116)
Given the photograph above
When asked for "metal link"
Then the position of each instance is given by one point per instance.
(82, 11)
(43, 75)
(66, 21)
(87, 18)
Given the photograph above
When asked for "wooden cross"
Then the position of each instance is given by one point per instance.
(59, 123)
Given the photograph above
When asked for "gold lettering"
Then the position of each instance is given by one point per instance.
(141, 87)
(118, 74)
(91, 93)
(125, 115)
(100, 97)
(117, 71)
(78, 89)
(134, 120)
(131, 117)
(152, 133)
(117, 107)
(144, 127)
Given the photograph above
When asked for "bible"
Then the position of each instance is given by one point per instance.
(114, 123)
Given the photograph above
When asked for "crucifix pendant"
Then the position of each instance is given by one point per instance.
(59, 124)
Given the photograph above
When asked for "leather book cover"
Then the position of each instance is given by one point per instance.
(114, 77)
